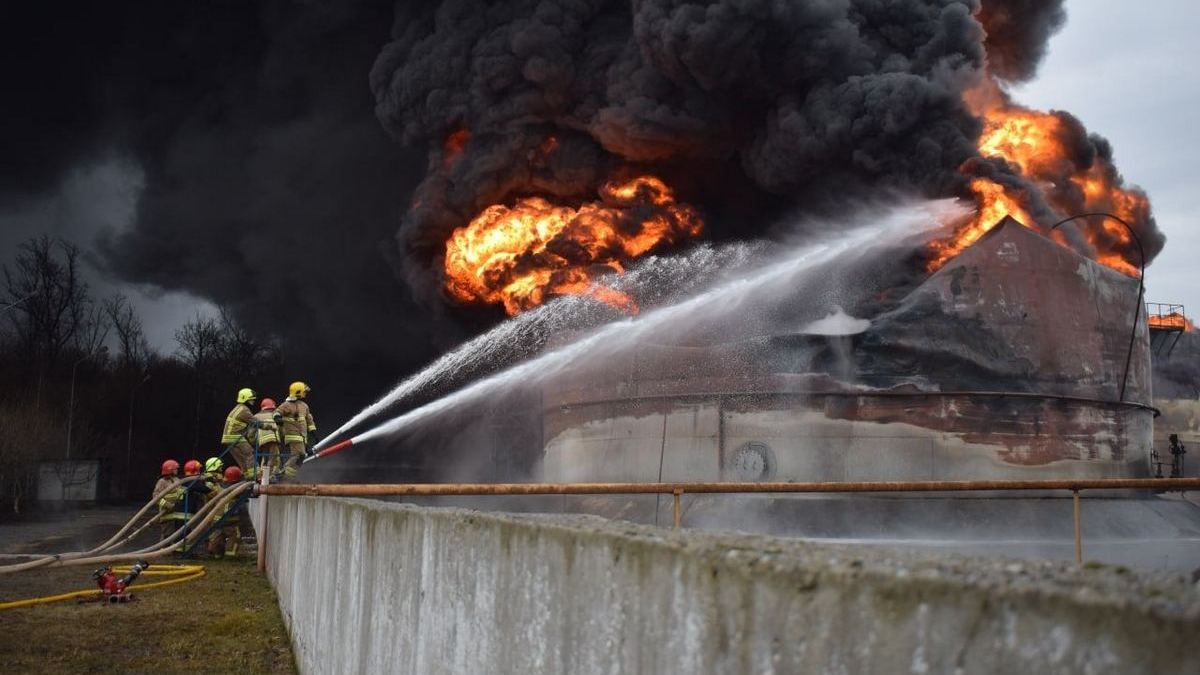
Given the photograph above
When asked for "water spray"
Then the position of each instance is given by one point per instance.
(527, 332)
(893, 226)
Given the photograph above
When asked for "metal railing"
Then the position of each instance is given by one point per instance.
(677, 490)
(1167, 316)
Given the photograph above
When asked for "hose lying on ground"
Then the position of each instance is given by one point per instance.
(207, 515)
(180, 574)
(113, 541)
(188, 534)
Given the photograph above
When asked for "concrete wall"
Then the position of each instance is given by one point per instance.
(378, 587)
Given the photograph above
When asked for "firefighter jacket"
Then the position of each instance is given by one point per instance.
(183, 501)
(230, 510)
(211, 484)
(235, 424)
(296, 421)
(166, 508)
(268, 431)
(161, 485)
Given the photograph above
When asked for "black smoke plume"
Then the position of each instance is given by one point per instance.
(748, 108)
(272, 189)
(1018, 32)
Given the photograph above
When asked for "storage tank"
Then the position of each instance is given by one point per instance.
(1007, 362)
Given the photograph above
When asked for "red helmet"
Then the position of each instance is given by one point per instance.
(233, 474)
(267, 404)
(170, 468)
(192, 467)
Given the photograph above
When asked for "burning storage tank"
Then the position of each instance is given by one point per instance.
(1013, 360)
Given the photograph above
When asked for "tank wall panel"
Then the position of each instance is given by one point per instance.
(799, 440)
(631, 447)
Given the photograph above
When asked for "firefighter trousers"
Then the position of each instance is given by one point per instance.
(243, 454)
(295, 455)
(268, 454)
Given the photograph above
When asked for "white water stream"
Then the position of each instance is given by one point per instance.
(781, 274)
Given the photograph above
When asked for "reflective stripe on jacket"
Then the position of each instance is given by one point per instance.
(176, 501)
(267, 430)
(184, 500)
(297, 421)
(235, 423)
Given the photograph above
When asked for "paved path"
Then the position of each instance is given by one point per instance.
(59, 531)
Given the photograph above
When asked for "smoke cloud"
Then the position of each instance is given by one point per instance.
(270, 187)
(766, 105)
(751, 109)
(1018, 32)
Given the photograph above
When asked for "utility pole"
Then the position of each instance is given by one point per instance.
(71, 404)
(129, 435)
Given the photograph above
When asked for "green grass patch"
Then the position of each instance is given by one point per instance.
(227, 621)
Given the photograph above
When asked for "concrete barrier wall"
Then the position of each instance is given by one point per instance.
(377, 587)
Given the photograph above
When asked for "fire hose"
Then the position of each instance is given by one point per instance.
(177, 573)
(186, 535)
(212, 511)
(114, 541)
(336, 447)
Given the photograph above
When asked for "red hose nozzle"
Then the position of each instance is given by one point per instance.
(336, 447)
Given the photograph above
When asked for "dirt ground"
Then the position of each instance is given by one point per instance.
(226, 621)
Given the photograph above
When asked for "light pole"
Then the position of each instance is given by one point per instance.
(71, 404)
(129, 436)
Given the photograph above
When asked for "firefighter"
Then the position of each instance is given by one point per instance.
(225, 539)
(167, 475)
(209, 485)
(235, 437)
(168, 521)
(214, 473)
(186, 499)
(192, 468)
(295, 420)
(267, 436)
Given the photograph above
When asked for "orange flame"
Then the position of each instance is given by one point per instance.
(1171, 321)
(994, 205)
(1036, 143)
(521, 255)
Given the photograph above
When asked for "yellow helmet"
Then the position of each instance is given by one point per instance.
(246, 394)
(298, 390)
(213, 465)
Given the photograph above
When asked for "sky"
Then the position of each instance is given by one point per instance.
(100, 196)
(1126, 72)
(1130, 74)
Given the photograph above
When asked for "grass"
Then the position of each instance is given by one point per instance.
(226, 621)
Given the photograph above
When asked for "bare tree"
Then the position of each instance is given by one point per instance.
(200, 346)
(50, 301)
(50, 296)
(199, 342)
(131, 337)
(244, 355)
(93, 330)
